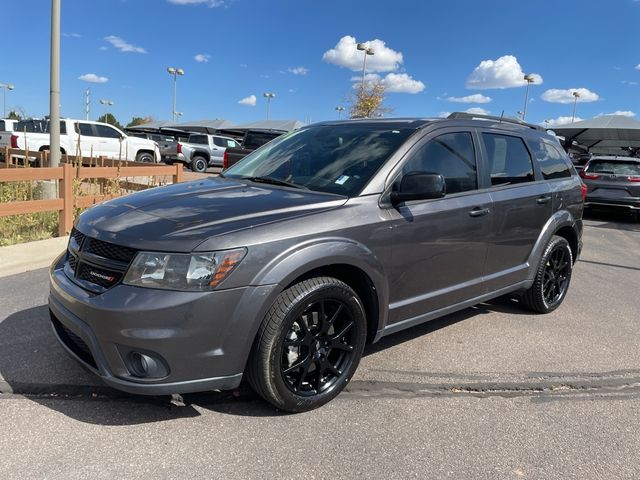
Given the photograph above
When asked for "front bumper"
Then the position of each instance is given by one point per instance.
(202, 338)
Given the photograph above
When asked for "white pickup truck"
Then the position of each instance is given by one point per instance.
(85, 138)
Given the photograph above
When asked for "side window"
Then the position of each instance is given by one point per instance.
(553, 164)
(231, 144)
(2, 125)
(85, 129)
(219, 142)
(509, 159)
(107, 132)
(451, 155)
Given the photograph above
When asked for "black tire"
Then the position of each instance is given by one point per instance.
(552, 277)
(323, 323)
(199, 164)
(145, 157)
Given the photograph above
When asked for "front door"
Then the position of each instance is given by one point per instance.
(439, 245)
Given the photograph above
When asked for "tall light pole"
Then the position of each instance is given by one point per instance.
(174, 72)
(576, 95)
(54, 88)
(87, 103)
(5, 87)
(367, 51)
(529, 79)
(268, 96)
(339, 110)
(107, 104)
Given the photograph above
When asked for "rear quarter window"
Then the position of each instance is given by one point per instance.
(553, 163)
(198, 139)
(509, 159)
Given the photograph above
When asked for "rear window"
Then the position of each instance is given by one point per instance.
(509, 159)
(553, 164)
(614, 167)
(257, 139)
(37, 126)
(198, 139)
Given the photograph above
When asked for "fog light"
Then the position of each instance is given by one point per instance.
(142, 365)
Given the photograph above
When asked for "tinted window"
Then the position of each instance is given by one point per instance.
(85, 129)
(509, 159)
(257, 139)
(107, 132)
(219, 142)
(614, 167)
(451, 155)
(2, 126)
(37, 126)
(552, 163)
(337, 159)
(199, 139)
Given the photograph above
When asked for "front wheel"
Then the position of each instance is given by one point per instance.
(552, 277)
(199, 164)
(145, 157)
(309, 345)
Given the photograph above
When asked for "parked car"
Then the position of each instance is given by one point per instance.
(202, 150)
(6, 127)
(613, 183)
(6, 124)
(166, 144)
(92, 138)
(333, 236)
(253, 139)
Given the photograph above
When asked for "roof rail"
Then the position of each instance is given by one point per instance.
(474, 116)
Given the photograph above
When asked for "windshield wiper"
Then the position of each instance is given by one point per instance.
(274, 181)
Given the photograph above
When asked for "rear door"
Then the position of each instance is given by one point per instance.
(110, 142)
(439, 245)
(522, 204)
(88, 142)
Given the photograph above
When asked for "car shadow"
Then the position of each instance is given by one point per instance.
(612, 220)
(34, 365)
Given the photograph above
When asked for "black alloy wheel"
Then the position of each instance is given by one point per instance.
(199, 164)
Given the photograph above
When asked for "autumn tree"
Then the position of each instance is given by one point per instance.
(135, 121)
(368, 101)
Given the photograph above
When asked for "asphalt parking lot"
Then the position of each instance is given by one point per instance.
(489, 392)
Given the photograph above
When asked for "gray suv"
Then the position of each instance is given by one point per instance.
(324, 240)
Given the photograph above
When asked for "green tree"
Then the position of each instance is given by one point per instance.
(13, 115)
(111, 120)
(139, 121)
(368, 102)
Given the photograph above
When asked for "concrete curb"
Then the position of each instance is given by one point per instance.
(25, 257)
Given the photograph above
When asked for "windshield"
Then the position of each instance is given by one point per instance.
(616, 167)
(339, 159)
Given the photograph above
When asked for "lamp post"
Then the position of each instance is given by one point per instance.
(173, 71)
(529, 79)
(367, 51)
(54, 86)
(107, 104)
(339, 109)
(5, 87)
(576, 95)
(268, 96)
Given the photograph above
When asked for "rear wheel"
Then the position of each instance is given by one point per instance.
(199, 164)
(145, 157)
(552, 277)
(309, 345)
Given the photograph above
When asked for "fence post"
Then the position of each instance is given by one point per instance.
(177, 178)
(65, 222)
(6, 156)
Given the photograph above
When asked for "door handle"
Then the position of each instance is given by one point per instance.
(479, 212)
(542, 200)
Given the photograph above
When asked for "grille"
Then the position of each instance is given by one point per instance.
(72, 261)
(98, 276)
(109, 250)
(77, 236)
(74, 343)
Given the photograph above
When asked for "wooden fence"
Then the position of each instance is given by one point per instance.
(65, 175)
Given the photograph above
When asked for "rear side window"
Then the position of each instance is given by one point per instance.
(614, 167)
(37, 126)
(451, 155)
(553, 164)
(2, 125)
(199, 139)
(509, 159)
(86, 130)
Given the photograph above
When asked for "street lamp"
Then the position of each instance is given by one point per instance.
(339, 110)
(576, 95)
(367, 51)
(529, 79)
(107, 104)
(174, 72)
(268, 96)
(5, 87)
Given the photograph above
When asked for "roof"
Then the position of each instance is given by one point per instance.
(204, 126)
(605, 134)
(282, 125)
(151, 126)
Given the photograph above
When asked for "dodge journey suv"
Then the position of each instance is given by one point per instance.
(326, 239)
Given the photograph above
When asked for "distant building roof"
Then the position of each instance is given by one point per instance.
(204, 126)
(284, 125)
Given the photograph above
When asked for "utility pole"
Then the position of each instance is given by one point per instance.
(54, 90)
(87, 103)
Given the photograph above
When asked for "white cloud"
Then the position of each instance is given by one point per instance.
(345, 54)
(556, 95)
(393, 82)
(209, 3)
(556, 122)
(103, 48)
(123, 45)
(249, 101)
(476, 98)
(505, 72)
(72, 35)
(93, 78)
(298, 70)
(637, 67)
(477, 111)
(628, 82)
(202, 58)
(624, 113)
(444, 114)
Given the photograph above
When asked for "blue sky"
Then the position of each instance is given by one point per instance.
(434, 57)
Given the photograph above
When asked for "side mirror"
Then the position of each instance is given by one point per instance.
(419, 186)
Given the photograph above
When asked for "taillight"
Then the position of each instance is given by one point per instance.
(179, 148)
(583, 191)
(225, 160)
(633, 178)
(588, 176)
(14, 141)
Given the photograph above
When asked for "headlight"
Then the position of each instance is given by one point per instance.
(182, 271)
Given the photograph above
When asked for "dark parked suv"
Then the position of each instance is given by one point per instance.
(325, 239)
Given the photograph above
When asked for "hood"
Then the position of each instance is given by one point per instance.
(179, 217)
